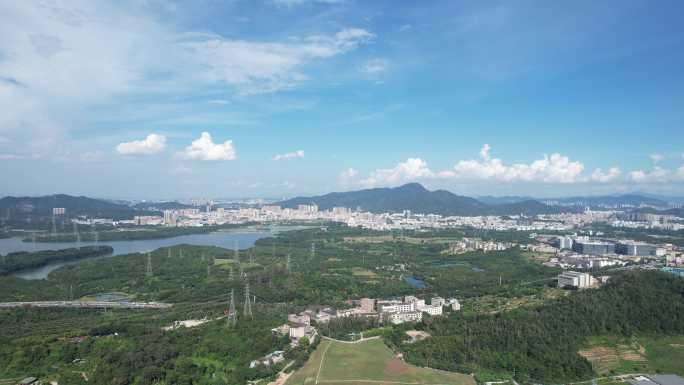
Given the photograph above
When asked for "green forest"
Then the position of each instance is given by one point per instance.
(541, 343)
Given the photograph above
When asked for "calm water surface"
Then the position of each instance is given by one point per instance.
(245, 238)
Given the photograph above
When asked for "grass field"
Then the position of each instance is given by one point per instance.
(643, 354)
(368, 362)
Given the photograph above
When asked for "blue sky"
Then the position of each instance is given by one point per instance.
(113, 99)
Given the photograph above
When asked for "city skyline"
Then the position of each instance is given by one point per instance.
(279, 98)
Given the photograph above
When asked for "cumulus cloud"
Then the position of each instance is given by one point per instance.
(555, 168)
(604, 177)
(411, 169)
(552, 169)
(348, 177)
(204, 148)
(290, 155)
(153, 144)
(657, 174)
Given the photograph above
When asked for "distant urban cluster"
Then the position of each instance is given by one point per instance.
(583, 252)
(210, 214)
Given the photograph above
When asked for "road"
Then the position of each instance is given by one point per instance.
(88, 304)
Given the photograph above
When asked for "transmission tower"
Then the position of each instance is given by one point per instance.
(230, 274)
(148, 271)
(77, 236)
(242, 272)
(287, 264)
(248, 304)
(251, 257)
(231, 318)
(96, 237)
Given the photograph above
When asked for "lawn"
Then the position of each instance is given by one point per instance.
(369, 362)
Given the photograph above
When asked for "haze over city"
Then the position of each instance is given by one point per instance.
(277, 98)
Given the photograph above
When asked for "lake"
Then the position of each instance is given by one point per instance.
(226, 238)
(415, 282)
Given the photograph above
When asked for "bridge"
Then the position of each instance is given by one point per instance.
(87, 305)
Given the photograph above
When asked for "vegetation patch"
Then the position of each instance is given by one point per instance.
(367, 362)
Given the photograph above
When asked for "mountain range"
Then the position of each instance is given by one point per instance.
(418, 199)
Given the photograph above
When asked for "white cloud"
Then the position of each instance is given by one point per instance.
(50, 50)
(375, 66)
(657, 175)
(204, 148)
(348, 177)
(604, 177)
(255, 67)
(290, 155)
(411, 169)
(656, 158)
(153, 144)
(555, 168)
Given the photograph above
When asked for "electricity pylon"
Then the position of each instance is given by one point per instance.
(231, 318)
(148, 271)
(248, 304)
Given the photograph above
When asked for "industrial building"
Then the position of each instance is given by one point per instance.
(635, 248)
(593, 247)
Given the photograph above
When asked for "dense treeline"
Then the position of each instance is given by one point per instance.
(346, 328)
(541, 343)
(14, 262)
(131, 348)
(129, 234)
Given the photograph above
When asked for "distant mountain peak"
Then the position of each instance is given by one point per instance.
(416, 198)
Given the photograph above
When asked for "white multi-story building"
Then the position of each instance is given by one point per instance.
(455, 305)
(414, 316)
(574, 279)
(437, 301)
(432, 309)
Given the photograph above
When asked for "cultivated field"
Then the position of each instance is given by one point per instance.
(638, 354)
(367, 363)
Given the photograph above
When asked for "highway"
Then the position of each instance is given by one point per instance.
(88, 304)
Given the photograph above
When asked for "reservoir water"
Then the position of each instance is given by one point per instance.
(415, 282)
(226, 239)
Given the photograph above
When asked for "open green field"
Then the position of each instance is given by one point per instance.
(368, 362)
(642, 354)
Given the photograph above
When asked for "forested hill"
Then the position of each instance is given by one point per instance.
(416, 198)
(40, 208)
(541, 344)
